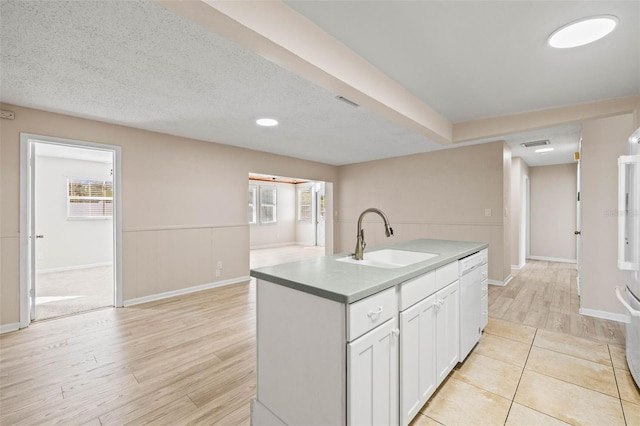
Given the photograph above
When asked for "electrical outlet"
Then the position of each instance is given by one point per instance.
(487, 212)
(219, 264)
(218, 273)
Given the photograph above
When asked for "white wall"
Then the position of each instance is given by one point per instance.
(519, 176)
(288, 230)
(603, 141)
(283, 232)
(553, 212)
(68, 243)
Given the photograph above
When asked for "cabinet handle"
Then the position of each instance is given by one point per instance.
(395, 332)
(378, 311)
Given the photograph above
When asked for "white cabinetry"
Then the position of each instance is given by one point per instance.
(447, 330)
(417, 357)
(372, 377)
(429, 337)
(372, 360)
(375, 361)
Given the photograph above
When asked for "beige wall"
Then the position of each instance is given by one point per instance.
(441, 195)
(184, 203)
(553, 212)
(603, 141)
(519, 177)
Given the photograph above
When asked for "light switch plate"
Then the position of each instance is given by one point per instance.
(487, 212)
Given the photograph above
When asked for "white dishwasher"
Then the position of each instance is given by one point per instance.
(470, 294)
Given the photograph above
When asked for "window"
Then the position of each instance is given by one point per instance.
(252, 204)
(89, 198)
(268, 204)
(304, 205)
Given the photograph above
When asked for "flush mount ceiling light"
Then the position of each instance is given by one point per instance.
(543, 150)
(583, 31)
(266, 122)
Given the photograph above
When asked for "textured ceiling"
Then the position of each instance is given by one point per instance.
(137, 64)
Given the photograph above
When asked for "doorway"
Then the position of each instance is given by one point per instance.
(70, 227)
(287, 218)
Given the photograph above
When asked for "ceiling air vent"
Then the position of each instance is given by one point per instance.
(535, 143)
(347, 101)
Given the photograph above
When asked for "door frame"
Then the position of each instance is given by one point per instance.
(26, 141)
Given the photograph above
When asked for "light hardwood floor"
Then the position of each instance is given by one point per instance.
(188, 359)
(185, 360)
(545, 295)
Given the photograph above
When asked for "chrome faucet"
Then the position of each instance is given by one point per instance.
(360, 244)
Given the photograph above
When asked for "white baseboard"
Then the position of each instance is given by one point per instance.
(552, 259)
(8, 328)
(305, 244)
(519, 266)
(604, 315)
(73, 268)
(275, 245)
(160, 296)
(501, 283)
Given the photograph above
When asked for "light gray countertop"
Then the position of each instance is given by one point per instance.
(347, 282)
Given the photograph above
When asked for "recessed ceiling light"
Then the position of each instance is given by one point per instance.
(582, 32)
(542, 150)
(267, 122)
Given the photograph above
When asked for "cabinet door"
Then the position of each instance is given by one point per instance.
(447, 330)
(417, 357)
(372, 377)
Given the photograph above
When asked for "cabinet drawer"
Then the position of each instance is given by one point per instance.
(446, 275)
(368, 313)
(414, 290)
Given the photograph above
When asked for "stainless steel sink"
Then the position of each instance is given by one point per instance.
(389, 258)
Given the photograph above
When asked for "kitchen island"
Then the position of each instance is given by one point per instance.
(348, 343)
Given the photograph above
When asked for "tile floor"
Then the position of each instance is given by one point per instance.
(521, 375)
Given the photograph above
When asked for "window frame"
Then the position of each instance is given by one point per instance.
(71, 180)
(253, 204)
(262, 204)
(300, 205)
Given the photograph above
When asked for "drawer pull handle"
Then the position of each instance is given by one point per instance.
(378, 311)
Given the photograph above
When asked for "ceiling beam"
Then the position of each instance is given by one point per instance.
(278, 33)
(508, 124)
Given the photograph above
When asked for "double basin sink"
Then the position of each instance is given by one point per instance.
(389, 258)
